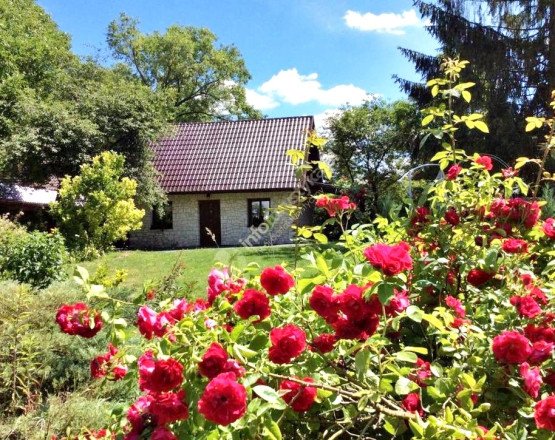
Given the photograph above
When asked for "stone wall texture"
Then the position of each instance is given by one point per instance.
(233, 219)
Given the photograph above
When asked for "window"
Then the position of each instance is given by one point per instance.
(164, 221)
(259, 210)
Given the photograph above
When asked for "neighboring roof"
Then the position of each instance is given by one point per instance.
(26, 194)
(231, 156)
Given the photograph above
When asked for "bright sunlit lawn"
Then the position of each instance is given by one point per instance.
(148, 265)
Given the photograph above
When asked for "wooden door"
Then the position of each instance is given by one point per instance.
(209, 222)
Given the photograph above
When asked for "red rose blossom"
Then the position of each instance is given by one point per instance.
(511, 347)
(355, 306)
(276, 280)
(422, 373)
(287, 343)
(224, 400)
(485, 161)
(456, 305)
(515, 246)
(541, 351)
(324, 343)
(335, 206)
(391, 260)
(303, 396)
(478, 277)
(549, 228)
(253, 303)
(452, 217)
(105, 365)
(453, 172)
(398, 303)
(169, 407)
(159, 376)
(509, 172)
(78, 319)
(526, 306)
(532, 379)
(411, 403)
(325, 303)
(163, 433)
(213, 361)
(138, 413)
(544, 413)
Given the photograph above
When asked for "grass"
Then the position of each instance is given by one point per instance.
(149, 265)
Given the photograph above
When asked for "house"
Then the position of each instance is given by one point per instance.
(224, 181)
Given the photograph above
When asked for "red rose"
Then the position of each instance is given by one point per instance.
(544, 413)
(515, 246)
(78, 319)
(536, 334)
(509, 172)
(532, 379)
(146, 320)
(453, 172)
(213, 361)
(526, 306)
(325, 303)
(159, 376)
(422, 373)
(421, 216)
(335, 206)
(253, 303)
(353, 304)
(276, 281)
(452, 217)
(485, 161)
(287, 343)
(104, 365)
(163, 434)
(398, 303)
(549, 228)
(324, 343)
(411, 403)
(169, 407)
(391, 260)
(299, 397)
(224, 400)
(138, 413)
(511, 347)
(362, 329)
(541, 351)
(478, 277)
(456, 305)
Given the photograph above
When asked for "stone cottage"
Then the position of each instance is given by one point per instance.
(224, 181)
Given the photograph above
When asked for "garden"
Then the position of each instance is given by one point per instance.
(437, 324)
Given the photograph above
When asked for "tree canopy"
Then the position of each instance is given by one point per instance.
(198, 80)
(511, 49)
(371, 144)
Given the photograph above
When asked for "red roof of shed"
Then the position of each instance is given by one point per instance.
(231, 156)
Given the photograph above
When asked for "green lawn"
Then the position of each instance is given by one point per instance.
(147, 265)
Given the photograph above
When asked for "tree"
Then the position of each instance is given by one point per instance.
(58, 112)
(199, 81)
(96, 208)
(370, 144)
(511, 49)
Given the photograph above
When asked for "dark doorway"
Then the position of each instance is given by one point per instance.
(209, 218)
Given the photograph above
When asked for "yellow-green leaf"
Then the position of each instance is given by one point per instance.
(427, 120)
(481, 125)
(466, 95)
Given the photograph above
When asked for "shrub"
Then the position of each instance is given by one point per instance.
(96, 208)
(437, 326)
(36, 258)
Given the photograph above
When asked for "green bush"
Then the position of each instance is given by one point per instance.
(35, 258)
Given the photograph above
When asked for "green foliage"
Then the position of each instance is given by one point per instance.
(36, 258)
(370, 145)
(198, 80)
(96, 208)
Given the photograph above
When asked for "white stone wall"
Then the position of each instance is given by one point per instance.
(233, 219)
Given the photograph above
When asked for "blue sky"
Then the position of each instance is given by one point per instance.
(305, 56)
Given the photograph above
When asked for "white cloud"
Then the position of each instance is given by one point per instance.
(320, 120)
(390, 23)
(260, 101)
(291, 87)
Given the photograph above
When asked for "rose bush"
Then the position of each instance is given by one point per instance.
(423, 327)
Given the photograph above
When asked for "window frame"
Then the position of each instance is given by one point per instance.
(164, 223)
(250, 203)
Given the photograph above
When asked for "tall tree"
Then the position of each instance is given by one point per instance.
(511, 48)
(199, 80)
(371, 144)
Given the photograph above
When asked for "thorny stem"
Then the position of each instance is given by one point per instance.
(355, 396)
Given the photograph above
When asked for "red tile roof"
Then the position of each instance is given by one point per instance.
(231, 156)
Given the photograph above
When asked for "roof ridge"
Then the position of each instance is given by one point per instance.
(242, 120)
